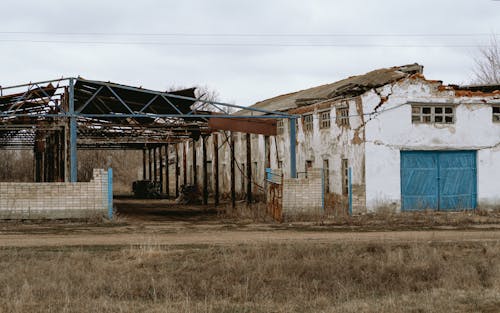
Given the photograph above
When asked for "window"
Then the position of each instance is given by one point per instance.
(324, 120)
(345, 177)
(309, 166)
(280, 127)
(326, 175)
(343, 116)
(433, 114)
(496, 114)
(308, 122)
(280, 164)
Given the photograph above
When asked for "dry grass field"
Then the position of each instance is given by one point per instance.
(292, 277)
(180, 261)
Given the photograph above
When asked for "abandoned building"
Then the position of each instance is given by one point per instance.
(386, 140)
(411, 144)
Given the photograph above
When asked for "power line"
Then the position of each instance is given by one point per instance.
(228, 44)
(184, 34)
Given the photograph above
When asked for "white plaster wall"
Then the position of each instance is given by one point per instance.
(392, 130)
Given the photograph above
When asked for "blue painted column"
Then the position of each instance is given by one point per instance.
(72, 133)
(293, 152)
(110, 193)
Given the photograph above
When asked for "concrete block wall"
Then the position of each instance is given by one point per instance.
(55, 200)
(303, 195)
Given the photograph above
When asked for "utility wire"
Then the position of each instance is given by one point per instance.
(255, 44)
(184, 34)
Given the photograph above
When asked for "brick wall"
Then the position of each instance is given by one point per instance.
(303, 195)
(55, 200)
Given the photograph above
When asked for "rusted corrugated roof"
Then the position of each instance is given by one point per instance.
(349, 87)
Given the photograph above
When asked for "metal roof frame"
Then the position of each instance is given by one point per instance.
(77, 101)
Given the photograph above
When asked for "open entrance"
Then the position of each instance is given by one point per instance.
(60, 122)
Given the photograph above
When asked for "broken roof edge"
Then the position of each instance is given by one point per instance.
(351, 86)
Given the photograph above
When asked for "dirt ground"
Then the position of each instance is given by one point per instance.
(155, 256)
(161, 222)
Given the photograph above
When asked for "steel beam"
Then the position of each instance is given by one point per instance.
(215, 164)
(233, 176)
(73, 133)
(249, 168)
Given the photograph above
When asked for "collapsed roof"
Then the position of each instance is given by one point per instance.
(104, 113)
(349, 87)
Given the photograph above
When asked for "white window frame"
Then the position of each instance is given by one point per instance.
(308, 122)
(433, 113)
(342, 116)
(280, 127)
(324, 119)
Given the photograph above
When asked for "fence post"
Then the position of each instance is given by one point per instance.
(350, 190)
(110, 193)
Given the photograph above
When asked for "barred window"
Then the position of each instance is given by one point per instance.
(324, 120)
(280, 127)
(308, 122)
(343, 116)
(433, 114)
(496, 114)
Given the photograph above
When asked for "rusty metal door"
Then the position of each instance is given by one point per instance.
(274, 180)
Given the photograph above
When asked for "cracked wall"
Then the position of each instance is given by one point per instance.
(392, 131)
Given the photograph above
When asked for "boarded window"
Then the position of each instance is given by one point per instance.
(308, 122)
(280, 127)
(345, 177)
(343, 116)
(433, 114)
(496, 114)
(324, 120)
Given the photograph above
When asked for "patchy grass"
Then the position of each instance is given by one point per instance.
(294, 277)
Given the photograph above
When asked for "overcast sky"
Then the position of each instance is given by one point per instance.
(246, 50)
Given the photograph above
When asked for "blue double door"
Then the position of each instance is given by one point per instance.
(438, 180)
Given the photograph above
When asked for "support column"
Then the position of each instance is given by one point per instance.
(267, 161)
(233, 176)
(249, 168)
(155, 167)
(150, 167)
(215, 137)
(62, 159)
(205, 176)
(176, 170)
(195, 176)
(160, 158)
(184, 163)
(144, 166)
(167, 172)
(293, 162)
(72, 133)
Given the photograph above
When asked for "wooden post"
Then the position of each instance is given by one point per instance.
(167, 172)
(184, 163)
(150, 165)
(195, 176)
(215, 137)
(233, 176)
(155, 173)
(176, 170)
(249, 169)
(160, 159)
(144, 167)
(205, 174)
